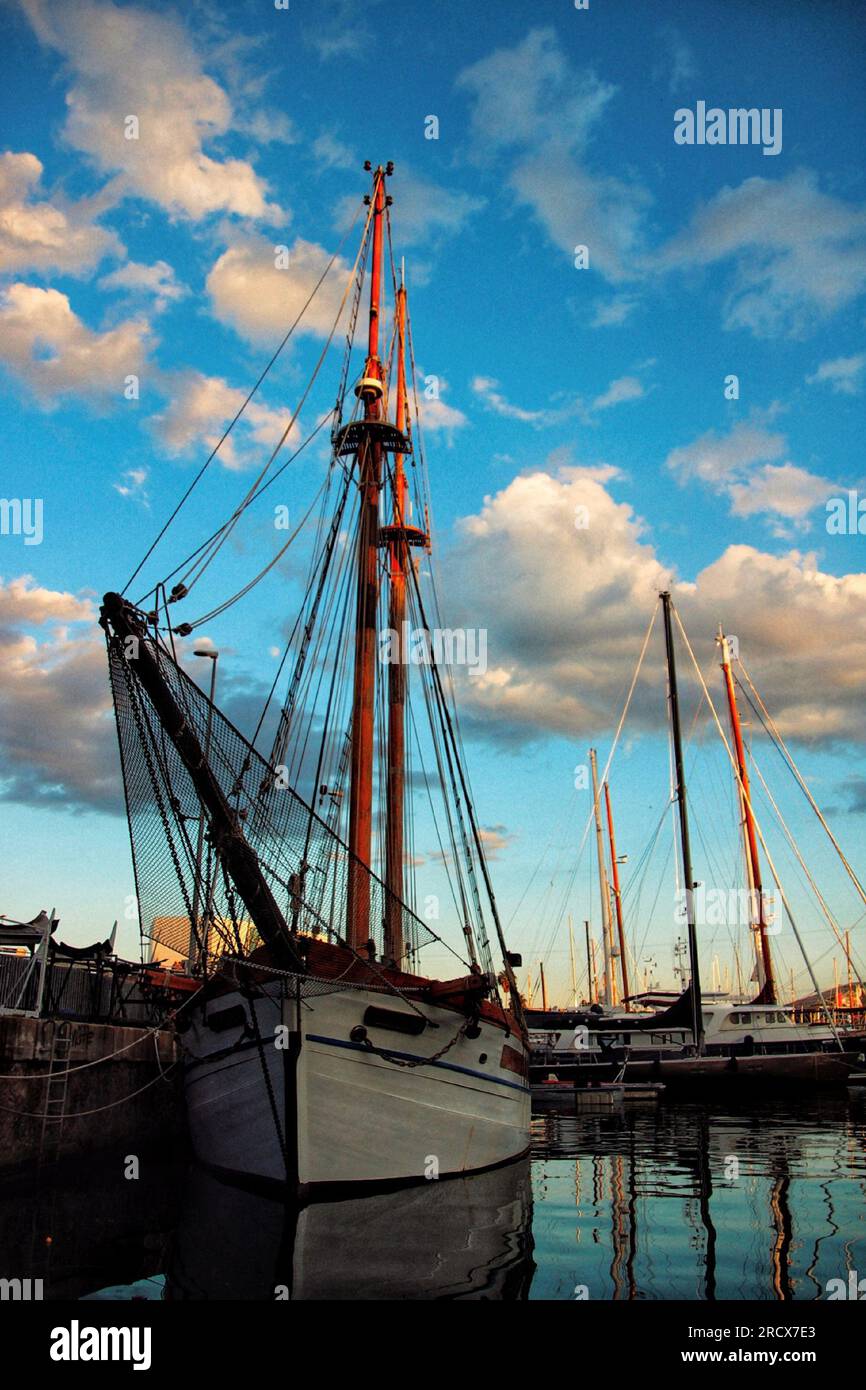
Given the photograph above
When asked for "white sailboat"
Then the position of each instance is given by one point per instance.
(318, 1052)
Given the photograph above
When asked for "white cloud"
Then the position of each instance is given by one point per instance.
(742, 465)
(614, 312)
(487, 389)
(625, 388)
(438, 415)
(46, 345)
(842, 374)
(715, 458)
(554, 657)
(563, 638)
(531, 105)
(261, 302)
(201, 408)
(134, 62)
(25, 603)
(266, 127)
(779, 489)
(427, 210)
(799, 255)
(530, 93)
(132, 485)
(57, 741)
(679, 67)
(579, 208)
(332, 153)
(157, 280)
(58, 738)
(339, 30)
(53, 235)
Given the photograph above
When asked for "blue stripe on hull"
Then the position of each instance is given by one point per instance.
(413, 1057)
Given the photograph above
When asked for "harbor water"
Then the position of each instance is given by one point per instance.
(632, 1202)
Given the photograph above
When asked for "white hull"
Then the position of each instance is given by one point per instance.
(335, 1110)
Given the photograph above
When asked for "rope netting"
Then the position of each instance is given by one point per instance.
(185, 896)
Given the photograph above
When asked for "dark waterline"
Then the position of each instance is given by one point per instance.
(646, 1202)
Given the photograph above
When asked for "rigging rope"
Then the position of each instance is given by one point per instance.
(243, 407)
(773, 730)
(241, 593)
(558, 912)
(748, 802)
(191, 578)
(801, 861)
(262, 490)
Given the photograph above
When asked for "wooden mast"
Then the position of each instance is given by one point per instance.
(617, 898)
(371, 390)
(680, 795)
(397, 671)
(767, 993)
(606, 923)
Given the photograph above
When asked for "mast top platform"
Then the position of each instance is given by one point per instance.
(352, 437)
(409, 535)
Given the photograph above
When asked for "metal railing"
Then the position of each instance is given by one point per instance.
(94, 991)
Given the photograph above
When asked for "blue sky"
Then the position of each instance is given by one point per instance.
(561, 387)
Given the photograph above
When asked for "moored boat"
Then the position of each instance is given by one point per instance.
(318, 1052)
(697, 1039)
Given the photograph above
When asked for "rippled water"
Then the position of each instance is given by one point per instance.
(696, 1203)
(645, 1202)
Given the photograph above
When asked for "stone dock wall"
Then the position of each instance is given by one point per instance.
(150, 1118)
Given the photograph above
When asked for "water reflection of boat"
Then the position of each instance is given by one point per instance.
(468, 1238)
(857, 1085)
(771, 1199)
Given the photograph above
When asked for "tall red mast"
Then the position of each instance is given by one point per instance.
(399, 537)
(368, 445)
(767, 993)
(397, 670)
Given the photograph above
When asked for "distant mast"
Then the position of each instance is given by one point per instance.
(617, 900)
(685, 841)
(767, 993)
(606, 923)
(571, 961)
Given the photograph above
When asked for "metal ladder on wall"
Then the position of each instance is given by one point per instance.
(50, 1143)
(56, 1087)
